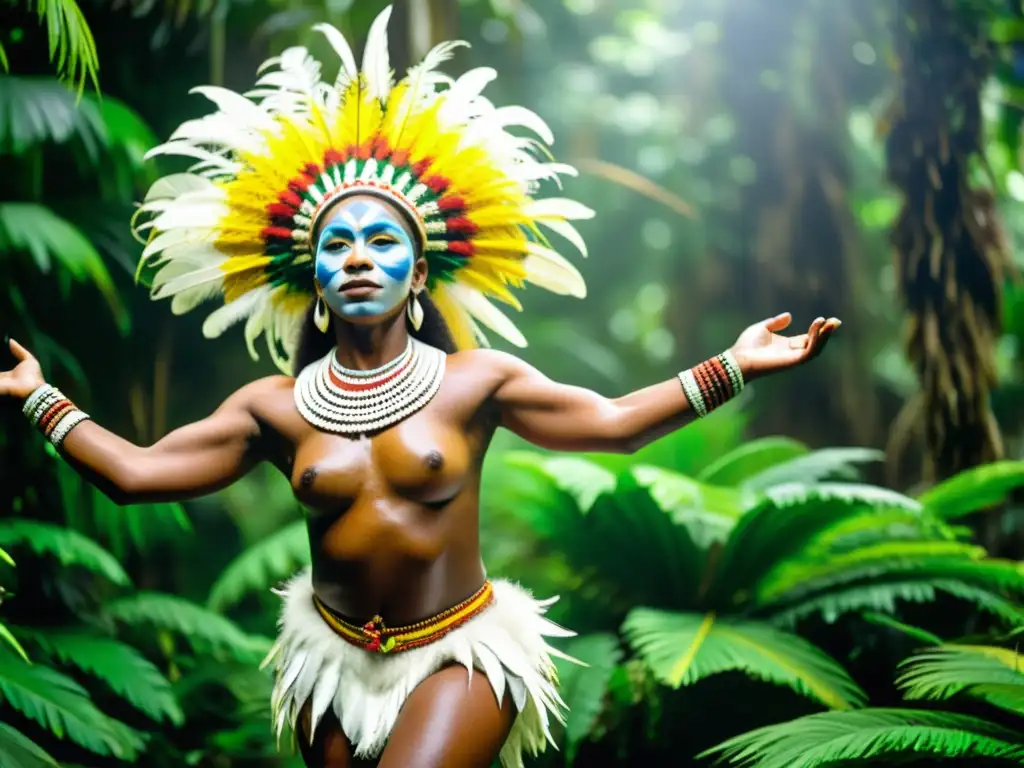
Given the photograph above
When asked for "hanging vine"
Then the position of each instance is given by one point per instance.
(950, 253)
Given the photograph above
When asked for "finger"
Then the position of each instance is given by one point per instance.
(779, 322)
(822, 340)
(798, 342)
(18, 351)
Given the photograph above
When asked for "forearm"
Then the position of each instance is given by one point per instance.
(189, 462)
(644, 416)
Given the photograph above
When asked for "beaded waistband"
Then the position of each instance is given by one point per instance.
(374, 636)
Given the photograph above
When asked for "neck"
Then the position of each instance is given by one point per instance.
(365, 347)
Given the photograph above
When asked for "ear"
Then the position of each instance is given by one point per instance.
(419, 274)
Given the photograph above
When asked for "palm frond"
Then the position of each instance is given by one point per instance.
(69, 547)
(60, 705)
(36, 230)
(751, 459)
(127, 672)
(582, 479)
(833, 738)
(262, 565)
(824, 464)
(204, 630)
(34, 110)
(989, 673)
(787, 519)
(19, 751)
(72, 47)
(974, 489)
(884, 526)
(8, 637)
(585, 688)
(683, 648)
(707, 512)
(6, 558)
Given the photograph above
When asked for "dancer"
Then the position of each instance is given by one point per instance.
(364, 228)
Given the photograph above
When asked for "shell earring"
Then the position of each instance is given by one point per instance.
(415, 311)
(321, 315)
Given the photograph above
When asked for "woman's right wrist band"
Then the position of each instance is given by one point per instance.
(52, 413)
(712, 383)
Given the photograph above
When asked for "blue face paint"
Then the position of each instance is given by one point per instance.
(363, 239)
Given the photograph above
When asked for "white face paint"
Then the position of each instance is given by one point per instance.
(364, 259)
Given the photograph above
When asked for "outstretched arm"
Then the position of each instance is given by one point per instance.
(192, 461)
(566, 418)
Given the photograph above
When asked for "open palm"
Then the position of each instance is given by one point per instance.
(22, 380)
(760, 349)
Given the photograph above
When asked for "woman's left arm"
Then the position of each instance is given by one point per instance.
(566, 418)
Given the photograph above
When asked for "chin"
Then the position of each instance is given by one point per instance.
(366, 313)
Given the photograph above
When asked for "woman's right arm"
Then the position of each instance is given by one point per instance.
(191, 461)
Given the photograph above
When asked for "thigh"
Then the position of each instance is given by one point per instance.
(450, 722)
(330, 747)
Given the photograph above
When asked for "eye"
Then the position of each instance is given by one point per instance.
(334, 246)
(383, 241)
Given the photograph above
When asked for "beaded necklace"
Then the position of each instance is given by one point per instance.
(349, 402)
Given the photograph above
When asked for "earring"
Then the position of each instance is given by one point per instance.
(415, 311)
(321, 316)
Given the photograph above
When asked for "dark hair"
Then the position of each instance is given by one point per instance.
(314, 344)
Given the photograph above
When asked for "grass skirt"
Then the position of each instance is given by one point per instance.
(366, 691)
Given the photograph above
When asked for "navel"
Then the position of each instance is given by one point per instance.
(308, 477)
(435, 460)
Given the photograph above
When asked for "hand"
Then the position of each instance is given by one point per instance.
(24, 378)
(759, 350)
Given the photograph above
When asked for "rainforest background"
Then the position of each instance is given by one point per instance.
(826, 571)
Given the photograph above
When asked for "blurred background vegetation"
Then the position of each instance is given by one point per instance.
(826, 571)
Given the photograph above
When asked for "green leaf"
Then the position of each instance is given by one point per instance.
(584, 687)
(974, 489)
(262, 565)
(825, 464)
(994, 675)
(889, 622)
(46, 237)
(34, 110)
(204, 630)
(683, 648)
(6, 558)
(72, 47)
(750, 459)
(69, 547)
(12, 641)
(19, 751)
(580, 478)
(129, 674)
(707, 512)
(60, 705)
(832, 738)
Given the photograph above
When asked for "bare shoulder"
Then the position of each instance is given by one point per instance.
(260, 391)
(487, 362)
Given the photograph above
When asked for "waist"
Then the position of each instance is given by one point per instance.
(375, 636)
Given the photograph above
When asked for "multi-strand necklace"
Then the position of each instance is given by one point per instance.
(349, 402)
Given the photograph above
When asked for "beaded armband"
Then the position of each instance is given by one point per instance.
(712, 383)
(52, 413)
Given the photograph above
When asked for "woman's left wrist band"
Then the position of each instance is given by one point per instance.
(712, 383)
(52, 413)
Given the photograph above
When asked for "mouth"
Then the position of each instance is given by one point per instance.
(358, 288)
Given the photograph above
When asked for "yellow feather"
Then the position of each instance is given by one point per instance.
(454, 317)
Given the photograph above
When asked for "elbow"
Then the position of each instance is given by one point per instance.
(126, 485)
(620, 434)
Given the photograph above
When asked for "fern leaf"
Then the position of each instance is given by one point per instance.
(12, 641)
(784, 524)
(262, 565)
(204, 630)
(19, 751)
(833, 738)
(751, 459)
(824, 464)
(69, 547)
(683, 648)
(707, 512)
(72, 47)
(989, 673)
(974, 489)
(46, 237)
(60, 705)
(127, 672)
(582, 479)
(584, 687)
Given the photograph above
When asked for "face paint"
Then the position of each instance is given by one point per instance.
(364, 241)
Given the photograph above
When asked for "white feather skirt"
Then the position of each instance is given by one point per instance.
(365, 690)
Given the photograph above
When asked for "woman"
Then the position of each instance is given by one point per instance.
(368, 197)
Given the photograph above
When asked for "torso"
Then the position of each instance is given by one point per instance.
(393, 518)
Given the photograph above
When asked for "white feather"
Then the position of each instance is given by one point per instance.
(236, 107)
(186, 301)
(223, 318)
(170, 187)
(184, 149)
(376, 60)
(477, 305)
(568, 231)
(551, 271)
(558, 208)
(164, 288)
(458, 100)
(349, 69)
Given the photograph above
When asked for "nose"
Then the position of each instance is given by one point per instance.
(357, 260)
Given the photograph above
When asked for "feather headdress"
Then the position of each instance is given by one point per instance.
(269, 163)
